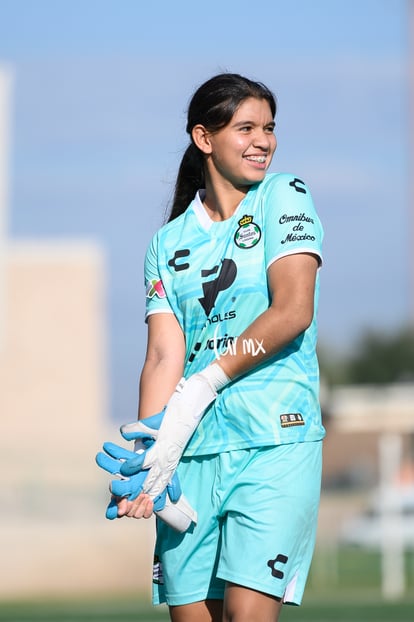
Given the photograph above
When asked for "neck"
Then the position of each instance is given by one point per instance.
(221, 199)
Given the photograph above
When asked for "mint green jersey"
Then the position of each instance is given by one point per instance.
(213, 277)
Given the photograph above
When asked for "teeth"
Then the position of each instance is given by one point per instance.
(260, 159)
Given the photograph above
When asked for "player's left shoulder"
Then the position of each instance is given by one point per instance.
(286, 181)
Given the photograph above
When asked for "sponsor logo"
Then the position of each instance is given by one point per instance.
(226, 274)
(298, 221)
(298, 184)
(157, 576)
(290, 420)
(155, 288)
(279, 559)
(295, 218)
(220, 343)
(179, 255)
(293, 237)
(228, 315)
(210, 345)
(248, 234)
(196, 349)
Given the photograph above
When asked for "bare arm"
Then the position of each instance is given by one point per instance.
(164, 363)
(292, 285)
(163, 368)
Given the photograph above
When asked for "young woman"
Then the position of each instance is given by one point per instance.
(232, 288)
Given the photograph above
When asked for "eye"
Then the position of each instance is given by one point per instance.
(245, 128)
(269, 129)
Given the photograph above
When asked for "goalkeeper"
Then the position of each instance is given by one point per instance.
(232, 286)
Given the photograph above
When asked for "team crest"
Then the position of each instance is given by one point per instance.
(248, 234)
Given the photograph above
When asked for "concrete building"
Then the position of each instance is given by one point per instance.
(54, 538)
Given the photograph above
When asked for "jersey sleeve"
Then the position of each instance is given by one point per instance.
(291, 222)
(155, 295)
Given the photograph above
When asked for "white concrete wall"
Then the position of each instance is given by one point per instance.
(54, 538)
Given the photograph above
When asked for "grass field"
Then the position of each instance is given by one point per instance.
(347, 608)
(345, 587)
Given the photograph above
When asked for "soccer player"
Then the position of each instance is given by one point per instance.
(232, 289)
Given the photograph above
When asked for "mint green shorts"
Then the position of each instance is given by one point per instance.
(257, 517)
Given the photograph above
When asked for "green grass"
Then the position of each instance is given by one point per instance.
(343, 586)
(346, 607)
(127, 609)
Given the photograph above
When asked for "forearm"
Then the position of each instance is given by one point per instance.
(157, 383)
(270, 333)
(164, 363)
(292, 289)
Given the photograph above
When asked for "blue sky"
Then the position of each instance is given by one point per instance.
(99, 99)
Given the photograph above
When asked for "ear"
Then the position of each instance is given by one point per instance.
(201, 138)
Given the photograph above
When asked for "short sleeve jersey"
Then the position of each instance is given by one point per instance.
(213, 277)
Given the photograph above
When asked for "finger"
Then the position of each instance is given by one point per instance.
(133, 465)
(122, 505)
(118, 452)
(108, 464)
(112, 510)
(149, 508)
(121, 488)
(149, 425)
(174, 488)
(141, 507)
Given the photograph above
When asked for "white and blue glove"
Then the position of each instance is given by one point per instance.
(111, 460)
(170, 505)
(183, 413)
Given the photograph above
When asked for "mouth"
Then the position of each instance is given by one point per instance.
(260, 159)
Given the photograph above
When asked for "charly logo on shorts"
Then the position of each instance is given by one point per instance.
(157, 576)
(274, 563)
(248, 234)
(287, 421)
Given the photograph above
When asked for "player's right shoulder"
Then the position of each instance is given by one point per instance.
(173, 226)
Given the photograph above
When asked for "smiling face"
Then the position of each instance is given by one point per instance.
(240, 153)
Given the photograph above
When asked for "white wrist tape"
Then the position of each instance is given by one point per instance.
(178, 515)
(215, 376)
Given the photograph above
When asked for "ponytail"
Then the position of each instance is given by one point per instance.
(190, 178)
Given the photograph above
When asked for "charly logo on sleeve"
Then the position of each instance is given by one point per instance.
(248, 234)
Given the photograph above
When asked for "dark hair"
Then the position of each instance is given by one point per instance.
(212, 105)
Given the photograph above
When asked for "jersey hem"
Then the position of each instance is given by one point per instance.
(155, 311)
(211, 451)
(187, 599)
(246, 582)
(295, 251)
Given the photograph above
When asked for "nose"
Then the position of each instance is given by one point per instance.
(263, 140)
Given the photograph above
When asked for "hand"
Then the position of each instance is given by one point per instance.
(182, 416)
(144, 431)
(128, 500)
(141, 507)
(111, 460)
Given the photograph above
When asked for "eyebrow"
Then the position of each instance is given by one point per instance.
(249, 122)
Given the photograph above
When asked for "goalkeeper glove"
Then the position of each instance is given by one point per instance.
(171, 506)
(183, 413)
